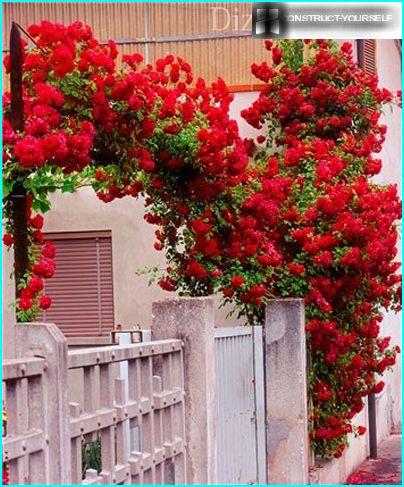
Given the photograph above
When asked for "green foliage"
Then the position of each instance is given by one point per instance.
(91, 456)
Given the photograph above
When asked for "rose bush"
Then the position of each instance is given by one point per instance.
(336, 228)
(308, 221)
(125, 131)
(293, 214)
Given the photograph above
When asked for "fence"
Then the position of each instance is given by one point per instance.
(25, 447)
(159, 422)
(152, 410)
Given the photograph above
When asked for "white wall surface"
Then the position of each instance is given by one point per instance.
(389, 71)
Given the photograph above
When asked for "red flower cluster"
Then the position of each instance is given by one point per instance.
(300, 218)
(6, 475)
(142, 128)
(31, 297)
(306, 221)
(336, 232)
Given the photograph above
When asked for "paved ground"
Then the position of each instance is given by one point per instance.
(386, 470)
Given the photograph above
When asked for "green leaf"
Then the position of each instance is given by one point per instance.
(7, 187)
(41, 205)
(67, 187)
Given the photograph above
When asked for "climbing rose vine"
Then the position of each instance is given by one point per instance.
(335, 227)
(294, 213)
(130, 130)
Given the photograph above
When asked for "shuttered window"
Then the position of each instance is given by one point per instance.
(366, 49)
(81, 288)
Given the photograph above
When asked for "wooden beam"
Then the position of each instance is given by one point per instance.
(16, 62)
(19, 194)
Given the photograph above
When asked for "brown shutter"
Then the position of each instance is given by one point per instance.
(81, 289)
(367, 55)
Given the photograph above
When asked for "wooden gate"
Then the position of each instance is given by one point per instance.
(241, 450)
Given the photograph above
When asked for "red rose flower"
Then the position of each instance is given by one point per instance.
(45, 302)
(307, 110)
(237, 281)
(258, 290)
(37, 222)
(378, 387)
(25, 304)
(200, 227)
(29, 152)
(8, 239)
(48, 250)
(296, 269)
(361, 430)
(277, 55)
(35, 284)
(44, 268)
(195, 269)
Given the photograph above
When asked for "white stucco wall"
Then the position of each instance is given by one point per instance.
(389, 70)
(132, 247)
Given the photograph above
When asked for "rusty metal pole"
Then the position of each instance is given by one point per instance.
(19, 193)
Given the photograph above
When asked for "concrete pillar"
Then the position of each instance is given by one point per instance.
(192, 321)
(9, 318)
(286, 392)
(47, 341)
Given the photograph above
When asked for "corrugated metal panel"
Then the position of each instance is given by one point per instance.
(82, 289)
(237, 455)
(108, 20)
(128, 23)
(198, 18)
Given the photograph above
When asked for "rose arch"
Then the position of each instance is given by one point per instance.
(293, 213)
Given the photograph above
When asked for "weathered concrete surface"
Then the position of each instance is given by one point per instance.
(385, 470)
(336, 470)
(47, 341)
(8, 316)
(286, 392)
(192, 320)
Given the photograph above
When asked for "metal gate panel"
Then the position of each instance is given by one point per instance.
(241, 420)
(260, 421)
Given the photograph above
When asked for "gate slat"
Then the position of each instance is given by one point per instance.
(241, 446)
